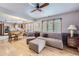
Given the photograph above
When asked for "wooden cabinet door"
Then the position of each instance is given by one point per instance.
(72, 42)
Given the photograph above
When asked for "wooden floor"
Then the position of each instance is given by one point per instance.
(20, 48)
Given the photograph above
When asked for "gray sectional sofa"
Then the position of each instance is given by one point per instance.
(51, 39)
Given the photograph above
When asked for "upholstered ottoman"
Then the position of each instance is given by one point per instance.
(37, 45)
(29, 39)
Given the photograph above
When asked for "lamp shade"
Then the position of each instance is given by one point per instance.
(72, 27)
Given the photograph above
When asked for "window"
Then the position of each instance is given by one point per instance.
(28, 27)
(31, 27)
(39, 26)
(35, 26)
(50, 26)
(44, 26)
(57, 25)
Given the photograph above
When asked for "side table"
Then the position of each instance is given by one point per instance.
(72, 42)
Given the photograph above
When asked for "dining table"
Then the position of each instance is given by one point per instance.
(14, 34)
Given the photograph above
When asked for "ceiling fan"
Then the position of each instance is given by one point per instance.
(38, 7)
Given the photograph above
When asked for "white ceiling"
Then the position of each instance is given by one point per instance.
(23, 10)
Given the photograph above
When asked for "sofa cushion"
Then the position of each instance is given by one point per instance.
(55, 35)
(37, 34)
(42, 38)
(30, 34)
(54, 42)
(45, 35)
(52, 35)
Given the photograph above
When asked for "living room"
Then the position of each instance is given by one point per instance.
(47, 29)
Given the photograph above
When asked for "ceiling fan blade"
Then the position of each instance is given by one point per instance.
(33, 10)
(45, 4)
(39, 10)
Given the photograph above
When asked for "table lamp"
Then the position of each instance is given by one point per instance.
(72, 28)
